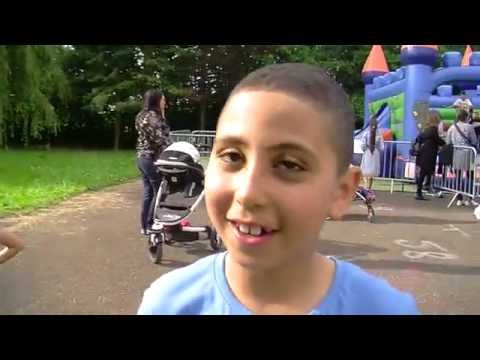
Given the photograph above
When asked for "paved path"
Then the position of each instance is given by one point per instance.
(85, 256)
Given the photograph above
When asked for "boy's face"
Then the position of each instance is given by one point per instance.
(273, 175)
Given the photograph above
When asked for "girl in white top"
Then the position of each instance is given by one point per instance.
(372, 145)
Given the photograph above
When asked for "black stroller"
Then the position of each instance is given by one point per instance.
(180, 192)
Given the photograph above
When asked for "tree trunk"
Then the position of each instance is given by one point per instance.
(203, 112)
(116, 140)
(26, 133)
(3, 137)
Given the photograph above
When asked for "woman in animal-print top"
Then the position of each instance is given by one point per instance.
(153, 138)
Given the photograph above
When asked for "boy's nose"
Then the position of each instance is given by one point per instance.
(250, 189)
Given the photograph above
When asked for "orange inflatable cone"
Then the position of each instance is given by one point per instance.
(466, 56)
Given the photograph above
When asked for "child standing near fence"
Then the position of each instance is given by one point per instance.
(372, 145)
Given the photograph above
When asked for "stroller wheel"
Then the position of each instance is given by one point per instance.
(155, 247)
(215, 240)
(168, 238)
(371, 214)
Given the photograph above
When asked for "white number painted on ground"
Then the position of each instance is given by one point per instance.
(415, 255)
(451, 227)
(424, 245)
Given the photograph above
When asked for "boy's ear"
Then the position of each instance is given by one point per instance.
(348, 184)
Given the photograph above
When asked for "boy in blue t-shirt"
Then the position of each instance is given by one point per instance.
(279, 167)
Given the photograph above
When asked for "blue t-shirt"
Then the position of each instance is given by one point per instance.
(202, 289)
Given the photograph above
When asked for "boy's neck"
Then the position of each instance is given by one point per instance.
(296, 287)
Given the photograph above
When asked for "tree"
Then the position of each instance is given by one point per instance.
(31, 78)
(4, 94)
(104, 78)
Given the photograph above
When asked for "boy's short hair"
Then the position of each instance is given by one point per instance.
(312, 84)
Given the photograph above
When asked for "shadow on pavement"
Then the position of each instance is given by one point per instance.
(351, 250)
(173, 264)
(424, 267)
(399, 219)
(195, 248)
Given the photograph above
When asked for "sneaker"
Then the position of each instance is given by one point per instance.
(477, 213)
(459, 202)
(466, 202)
(145, 232)
(420, 197)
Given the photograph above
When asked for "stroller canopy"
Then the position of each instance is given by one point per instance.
(182, 147)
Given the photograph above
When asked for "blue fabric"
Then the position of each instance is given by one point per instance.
(202, 289)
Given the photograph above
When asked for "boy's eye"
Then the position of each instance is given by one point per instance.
(231, 157)
(289, 166)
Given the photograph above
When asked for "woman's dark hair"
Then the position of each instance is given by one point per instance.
(433, 118)
(373, 133)
(151, 100)
(462, 116)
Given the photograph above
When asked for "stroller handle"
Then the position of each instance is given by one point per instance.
(178, 164)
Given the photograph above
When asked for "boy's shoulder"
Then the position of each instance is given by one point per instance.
(363, 293)
(182, 291)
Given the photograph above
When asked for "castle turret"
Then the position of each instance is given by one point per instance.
(418, 61)
(419, 55)
(375, 65)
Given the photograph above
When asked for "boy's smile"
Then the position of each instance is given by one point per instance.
(272, 178)
(250, 233)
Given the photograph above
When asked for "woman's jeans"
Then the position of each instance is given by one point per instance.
(151, 184)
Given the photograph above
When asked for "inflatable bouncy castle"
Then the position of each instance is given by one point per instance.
(396, 96)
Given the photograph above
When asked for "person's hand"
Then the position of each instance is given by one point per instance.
(13, 245)
(163, 106)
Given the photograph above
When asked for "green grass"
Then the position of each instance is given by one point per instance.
(384, 185)
(32, 179)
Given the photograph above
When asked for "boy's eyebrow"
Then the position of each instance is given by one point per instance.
(233, 140)
(292, 146)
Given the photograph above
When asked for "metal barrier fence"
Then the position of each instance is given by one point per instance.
(462, 177)
(396, 164)
(202, 140)
(204, 132)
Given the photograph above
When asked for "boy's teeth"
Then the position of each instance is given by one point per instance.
(255, 230)
(244, 228)
(252, 230)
